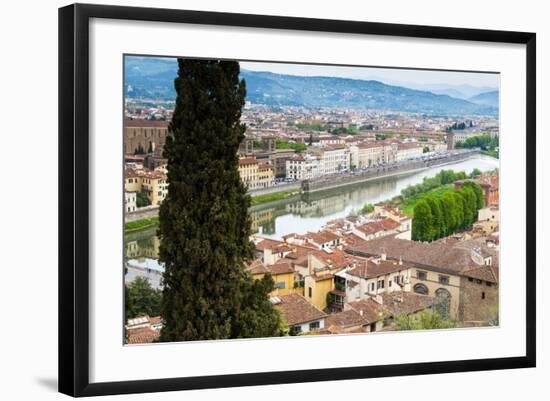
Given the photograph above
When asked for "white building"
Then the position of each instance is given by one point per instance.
(333, 159)
(303, 167)
(130, 201)
(407, 151)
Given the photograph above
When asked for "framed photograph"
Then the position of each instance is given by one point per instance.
(249, 200)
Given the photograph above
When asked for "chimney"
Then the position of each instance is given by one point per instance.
(400, 260)
(383, 256)
(360, 312)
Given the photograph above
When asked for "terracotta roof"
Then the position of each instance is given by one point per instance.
(372, 310)
(370, 145)
(297, 310)
(267, 243)
(405, 302)
(441, 257)
(142, 335)
(248, 160)
(485, 273)
(322, 237)
(256, 267)
(345, 319)
(141, 123)
(372, 227)
(367, 269)
(280, 268)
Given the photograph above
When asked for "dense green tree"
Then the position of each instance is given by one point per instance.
(425, 320)
(367, 208)
(142, 199)
(469, 206)
(438, 222)
(449, 211)
(475, 173)
(204, 225)
(459, 211)
(141, 299)
(422, 224)
(478, 191)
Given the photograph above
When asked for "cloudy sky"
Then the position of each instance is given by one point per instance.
(409, 78)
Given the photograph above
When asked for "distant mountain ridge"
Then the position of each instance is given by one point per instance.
(487, 98)
(154, 78)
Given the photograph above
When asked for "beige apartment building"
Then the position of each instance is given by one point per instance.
(255, 174)
(153, 183)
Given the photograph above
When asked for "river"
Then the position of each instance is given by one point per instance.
(310, 212)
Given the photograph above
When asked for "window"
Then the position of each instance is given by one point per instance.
(488, 284)
(280, 285)
(443, 279)
(471, 280)
(389, 283)
(314, 325)
(421, 289)
(372, 286)
(295, 330)
(309, 291)
(421, 275)
(380, 284)
(483, 295)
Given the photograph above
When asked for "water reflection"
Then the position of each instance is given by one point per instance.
(309, 212)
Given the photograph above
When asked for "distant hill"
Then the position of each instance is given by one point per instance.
(154, 78)
(487, 98)
(460, 91)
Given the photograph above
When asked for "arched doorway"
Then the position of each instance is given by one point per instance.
(421, 289)
(443, 302)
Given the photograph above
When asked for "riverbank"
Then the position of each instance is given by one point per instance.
(139, 225)
(402, 168)
(153, 221)
(492, 153)
(273, 197)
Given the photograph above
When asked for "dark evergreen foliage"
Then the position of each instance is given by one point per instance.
(204, 225)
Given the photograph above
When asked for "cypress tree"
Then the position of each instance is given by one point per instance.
(438, 224)
(478, 191)
(459, 211)
(470, 205)
(422, 224)
(204, 225)
(448, 208)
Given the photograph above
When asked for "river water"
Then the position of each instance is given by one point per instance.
(311, 212)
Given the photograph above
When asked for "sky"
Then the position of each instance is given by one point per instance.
(404, 77)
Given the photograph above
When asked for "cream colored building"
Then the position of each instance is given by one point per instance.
(303, 167)
(333, 159)
(153, 183)
(375, 152)
(407, 151)
(256, 175)
(130, 201)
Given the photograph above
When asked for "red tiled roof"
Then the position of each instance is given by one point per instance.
(297, 310)
(345, 319)
(405, 302)
(372, 227)
(146, 123)
(280, 268)
(372, 311)
(368, 269)
(142, 335)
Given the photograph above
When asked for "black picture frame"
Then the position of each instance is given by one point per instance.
(74, 201)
